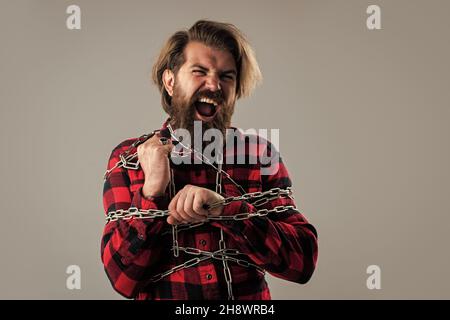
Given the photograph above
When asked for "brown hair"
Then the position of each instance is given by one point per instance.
(224, 36)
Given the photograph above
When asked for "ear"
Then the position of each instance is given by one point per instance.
(168, 79)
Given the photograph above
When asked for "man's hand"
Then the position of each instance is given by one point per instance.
(187, 205)
(154, 160)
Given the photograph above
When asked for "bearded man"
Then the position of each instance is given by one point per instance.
(207, 230)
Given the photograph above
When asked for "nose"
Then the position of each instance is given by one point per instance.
(212, 83)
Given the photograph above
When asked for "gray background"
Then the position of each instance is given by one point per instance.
(363, 118)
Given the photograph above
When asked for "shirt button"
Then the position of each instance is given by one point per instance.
(141, 236)
(203, 242)
(208, 276)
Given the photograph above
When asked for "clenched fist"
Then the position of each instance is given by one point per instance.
(154, 160)
(187, 205)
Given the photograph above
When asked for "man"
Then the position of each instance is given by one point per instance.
(205, 230)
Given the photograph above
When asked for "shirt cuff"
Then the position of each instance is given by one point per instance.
(231, 209)
(236, 207)
(145, 203)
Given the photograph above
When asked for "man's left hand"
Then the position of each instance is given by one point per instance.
(187, 205)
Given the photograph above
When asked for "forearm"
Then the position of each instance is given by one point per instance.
(127, 258)
(130, 247)
(284, 244)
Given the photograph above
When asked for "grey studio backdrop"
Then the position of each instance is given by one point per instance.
(363, 118)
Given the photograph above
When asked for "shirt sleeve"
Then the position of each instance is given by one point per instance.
(128, 247)
(285, 243)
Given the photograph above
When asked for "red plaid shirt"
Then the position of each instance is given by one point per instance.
(132, 251)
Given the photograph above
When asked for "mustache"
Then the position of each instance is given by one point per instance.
(217, 96)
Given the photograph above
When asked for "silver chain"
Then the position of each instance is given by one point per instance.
(187, 264)
(127, 163)
(126, 158)
(222, 244)
(260, 197)
(205, 160)
(220, 254)
(224, 254)
(136, 213)
(257, 199)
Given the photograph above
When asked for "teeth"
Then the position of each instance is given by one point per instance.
(207, 100)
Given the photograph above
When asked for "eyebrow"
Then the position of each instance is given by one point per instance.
(196, 65)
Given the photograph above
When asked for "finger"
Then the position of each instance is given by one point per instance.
(197, 205)
(180, 207)
(140, 152)
(152, 146)
(173, 209)
(173, 203)
(188, 206)
(172, 220)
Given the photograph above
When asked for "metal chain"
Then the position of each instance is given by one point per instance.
(222, 245)
(187, 264)
(136, 213)
(205, 160)
(226, 267)
(261, 198)
(126, 158)
(175, 246)
(224, 254)
(248, 215)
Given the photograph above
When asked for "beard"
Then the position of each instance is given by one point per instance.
(183, 110)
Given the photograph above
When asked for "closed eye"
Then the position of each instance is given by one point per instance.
(198, 72)
(227, 77)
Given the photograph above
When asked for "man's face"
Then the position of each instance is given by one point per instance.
(204, 88)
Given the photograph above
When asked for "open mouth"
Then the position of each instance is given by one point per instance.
(206, 107)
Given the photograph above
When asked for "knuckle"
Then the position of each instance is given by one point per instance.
(159, 149)
(182, 217)
(179, 207)
(198, 207)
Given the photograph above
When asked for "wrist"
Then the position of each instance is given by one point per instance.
(149, 190)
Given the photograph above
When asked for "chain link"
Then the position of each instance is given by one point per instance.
(187, 264)
(153, 213)
(260, 197)
(248, 215)
(226, 267)
(126, 158)
(136, 213)
(224, 254)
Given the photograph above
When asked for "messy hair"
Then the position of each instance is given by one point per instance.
(223, 36)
